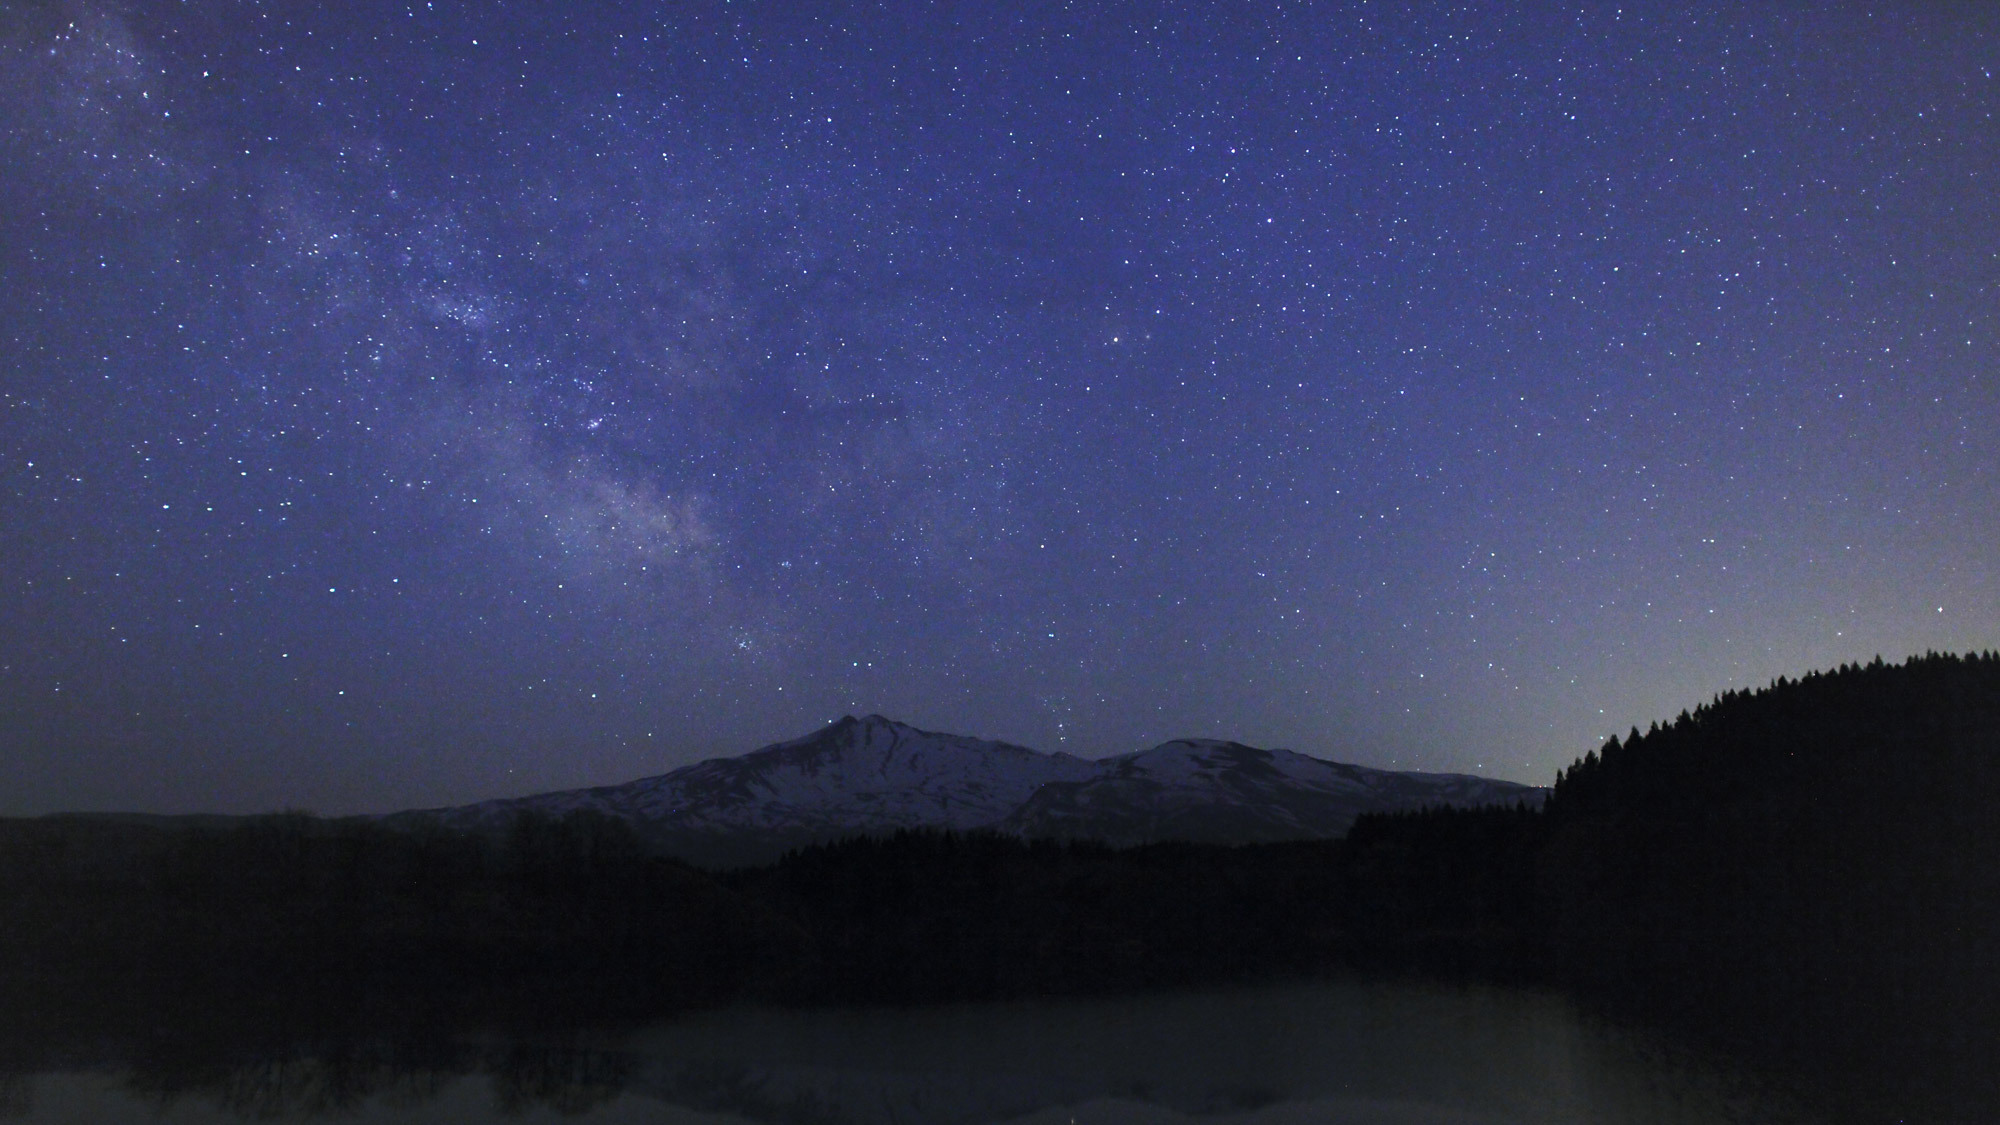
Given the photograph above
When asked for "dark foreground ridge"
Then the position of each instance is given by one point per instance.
(1809, 873)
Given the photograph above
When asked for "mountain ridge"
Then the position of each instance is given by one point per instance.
(872, 775)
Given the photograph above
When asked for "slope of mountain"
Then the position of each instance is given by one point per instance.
(1226, 792)
(873, 775)
(853, 776)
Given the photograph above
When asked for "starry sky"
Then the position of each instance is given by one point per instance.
(408, 404)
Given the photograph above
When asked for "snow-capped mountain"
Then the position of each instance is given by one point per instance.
(853, 776)
(873, 775)
(1226, 792)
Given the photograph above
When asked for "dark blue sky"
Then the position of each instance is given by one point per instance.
(404, 405)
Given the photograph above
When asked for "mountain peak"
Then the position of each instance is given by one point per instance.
(870, 722)
(872, 774)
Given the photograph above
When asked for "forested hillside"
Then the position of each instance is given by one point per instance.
(90, 905)
(1811, 870)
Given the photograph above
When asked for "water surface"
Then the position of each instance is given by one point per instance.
(1380, 1054)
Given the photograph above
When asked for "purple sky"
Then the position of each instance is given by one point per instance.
(405, 405)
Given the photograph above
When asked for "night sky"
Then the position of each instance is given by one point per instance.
(407, 405)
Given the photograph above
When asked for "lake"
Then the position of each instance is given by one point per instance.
(1373, 1053)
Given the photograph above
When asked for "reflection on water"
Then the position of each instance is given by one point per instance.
(1374, 1053)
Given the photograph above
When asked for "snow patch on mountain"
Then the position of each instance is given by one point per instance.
(867, 774)
(1226, 792)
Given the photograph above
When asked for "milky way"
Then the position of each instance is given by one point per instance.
(408, 405)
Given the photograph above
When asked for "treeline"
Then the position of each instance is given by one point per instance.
(295, 903)
(1840, 830)
(1809, 873)
(576, 903)
(929, 915)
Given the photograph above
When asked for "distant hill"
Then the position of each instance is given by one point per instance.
(873, 776)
